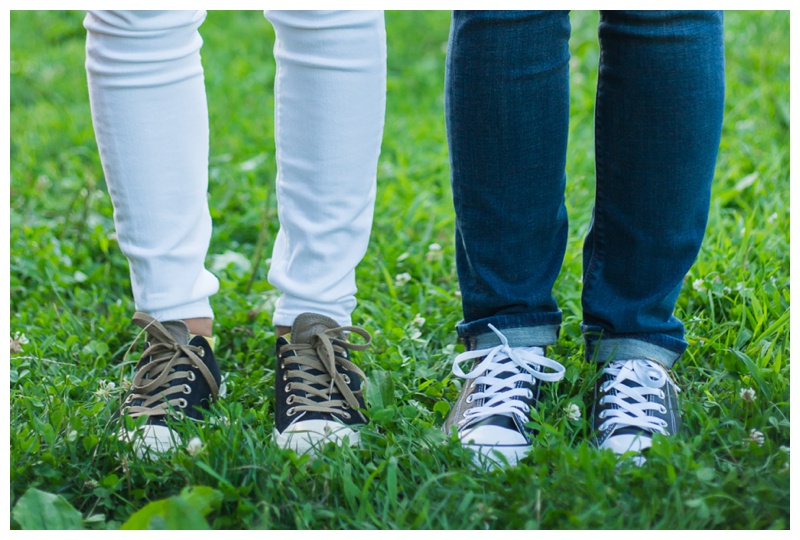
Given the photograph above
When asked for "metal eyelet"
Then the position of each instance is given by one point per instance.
(201, 353)
(346, 416)
(284, 377)
(291, 412)
(469, 399)
(345, 378)
(287, 388)
(187, 389)
(346, 406)
(191, 376)
(290, 399)
(662, 410)
(602, 414)
(182, 403)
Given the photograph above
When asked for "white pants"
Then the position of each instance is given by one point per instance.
(150, 117)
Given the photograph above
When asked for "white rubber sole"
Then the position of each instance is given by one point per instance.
(308, 436)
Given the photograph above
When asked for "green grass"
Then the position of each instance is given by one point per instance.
(70, 298)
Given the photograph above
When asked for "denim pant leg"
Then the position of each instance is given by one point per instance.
(658, 122)
(507, 115)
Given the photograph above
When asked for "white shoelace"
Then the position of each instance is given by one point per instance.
(632, 404)
(518, 365)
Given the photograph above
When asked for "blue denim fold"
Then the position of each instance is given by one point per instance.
(658, 121)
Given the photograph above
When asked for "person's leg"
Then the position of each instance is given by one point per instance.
(330, 96)
(149, 112)
(658, 123)
(507, 115)
(150, 118)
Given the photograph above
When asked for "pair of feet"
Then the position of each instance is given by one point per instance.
(319, 395)
(319, 392)
(633, 400)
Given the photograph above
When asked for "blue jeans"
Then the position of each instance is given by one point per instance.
(658, 120)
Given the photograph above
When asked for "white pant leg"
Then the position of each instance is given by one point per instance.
(330, 98)
(151, 122)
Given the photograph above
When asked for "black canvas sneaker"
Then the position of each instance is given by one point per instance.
(176, 378)
(634, 399)
(492, 411)
(319, 392)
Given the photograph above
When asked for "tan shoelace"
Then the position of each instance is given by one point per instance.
(319, 355)
(152, 382)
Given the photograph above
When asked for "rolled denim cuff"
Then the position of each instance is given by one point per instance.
(603, 348)
(538, 330)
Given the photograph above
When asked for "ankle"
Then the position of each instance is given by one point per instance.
(202, 326)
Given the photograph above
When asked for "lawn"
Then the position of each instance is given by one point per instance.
(73, 346)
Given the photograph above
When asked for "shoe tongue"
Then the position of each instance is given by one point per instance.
(308, 324)
(179, 330)
(159, 332)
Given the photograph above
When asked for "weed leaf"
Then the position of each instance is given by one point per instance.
(39, 510)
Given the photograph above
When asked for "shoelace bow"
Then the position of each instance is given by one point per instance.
(632, 404)
(501, 371)
(324, 391)
(152, 383)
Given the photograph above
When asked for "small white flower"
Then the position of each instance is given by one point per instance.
(573, 411)
(194, 446)
(402, 279)
(17, 342)
(458, 294)
(418, 321)
(403, 256)
(756, 437)
(105, 389)
(772, 218)
(698, 285)
(79, 276)
(415, 334)
(747, 394)
(434, 252)
(239, 262)
(72, 435)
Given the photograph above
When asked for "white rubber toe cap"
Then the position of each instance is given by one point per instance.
(619, 444)
(488, 441)
(151, 440)
(308, 435)
(492, 435)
